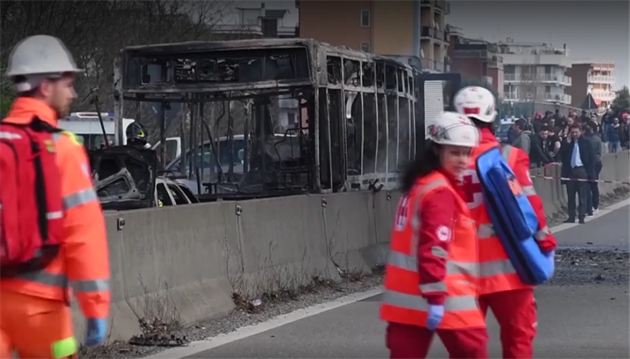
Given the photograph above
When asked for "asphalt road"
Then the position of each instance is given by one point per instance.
(589, 320)
(606, 230)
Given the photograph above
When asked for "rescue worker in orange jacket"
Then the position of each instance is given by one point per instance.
(431, 278)
(512, 301)
(35, 317)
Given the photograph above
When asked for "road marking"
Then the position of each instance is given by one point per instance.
(273, 323)
(248, 331)
(602, 212)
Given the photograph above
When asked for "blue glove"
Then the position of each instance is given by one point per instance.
(96, 331)
(436, 313)
(551, 257)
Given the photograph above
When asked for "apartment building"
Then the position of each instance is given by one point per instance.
(535, 72)
(256, 20)
(596, 78)
(387, 27)
(476, 60)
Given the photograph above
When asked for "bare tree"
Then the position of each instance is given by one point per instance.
(95, 31)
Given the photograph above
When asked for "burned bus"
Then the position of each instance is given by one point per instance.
(279, 116)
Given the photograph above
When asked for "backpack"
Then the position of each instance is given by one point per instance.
(513, 217)
(31, 203)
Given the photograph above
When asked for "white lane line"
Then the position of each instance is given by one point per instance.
(248, 331)
(602, 212)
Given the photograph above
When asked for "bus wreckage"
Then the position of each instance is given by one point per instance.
(280, 116)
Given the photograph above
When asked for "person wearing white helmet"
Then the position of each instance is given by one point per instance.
(501, 289)
(432, 232)
(35, 316)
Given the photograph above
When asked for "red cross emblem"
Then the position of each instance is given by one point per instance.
(471, 186)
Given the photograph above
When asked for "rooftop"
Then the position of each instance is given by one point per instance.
(529, 48)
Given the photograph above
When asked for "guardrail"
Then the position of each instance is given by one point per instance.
(196, 256)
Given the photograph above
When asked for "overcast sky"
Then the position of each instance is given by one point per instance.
(595, 30)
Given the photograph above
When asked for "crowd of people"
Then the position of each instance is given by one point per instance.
(552, 138)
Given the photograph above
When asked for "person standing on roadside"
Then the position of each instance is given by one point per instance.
(523, 140)
(578, 162)
(539, 156)
(501, 288)
(432, 275)
(613, 134)
(592, 198)
(35, 314)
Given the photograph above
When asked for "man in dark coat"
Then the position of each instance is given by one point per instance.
(578, 162)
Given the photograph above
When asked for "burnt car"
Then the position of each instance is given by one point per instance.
(170, 192)
(124, 177)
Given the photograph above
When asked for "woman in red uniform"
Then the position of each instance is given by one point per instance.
(432, 267)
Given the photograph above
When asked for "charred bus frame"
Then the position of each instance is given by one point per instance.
(357, 111)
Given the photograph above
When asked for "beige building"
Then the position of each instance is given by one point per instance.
(387, 27)
(594, 77)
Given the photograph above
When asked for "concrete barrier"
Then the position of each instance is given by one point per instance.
(192, 258)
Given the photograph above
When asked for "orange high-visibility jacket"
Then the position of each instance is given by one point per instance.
(496, 272)
(403, 300)
(83, 263)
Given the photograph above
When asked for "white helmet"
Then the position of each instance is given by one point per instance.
(476, 102)
(40, 55)
(451, 128)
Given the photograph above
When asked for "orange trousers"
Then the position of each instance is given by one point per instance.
(412, 342)
(35, 327)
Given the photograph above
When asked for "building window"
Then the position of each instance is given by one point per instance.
(365, 18)
(291, 119)
(365, 46)
(270, 28)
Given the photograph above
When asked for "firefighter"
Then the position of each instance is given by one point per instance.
(35, 315)
(137, 135)
(501, 288)
(433, 232)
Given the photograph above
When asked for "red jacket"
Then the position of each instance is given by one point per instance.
(438, 211)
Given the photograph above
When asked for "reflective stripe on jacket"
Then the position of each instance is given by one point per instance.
(83, 262)
(496, 272)
(403, 300)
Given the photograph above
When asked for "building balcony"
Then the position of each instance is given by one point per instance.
(427, 32)
(601, 79)
(603, 95)
(561, 79)
(439, 35)
(556, 97)
(470, 54)
(252, 30)
(541, 78)
(442, 5)
(428, 64)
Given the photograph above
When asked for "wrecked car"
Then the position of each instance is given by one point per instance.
(170, 192)
(124, 177)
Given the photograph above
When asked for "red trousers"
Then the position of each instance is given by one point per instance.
(516, 313)
(411, 342)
